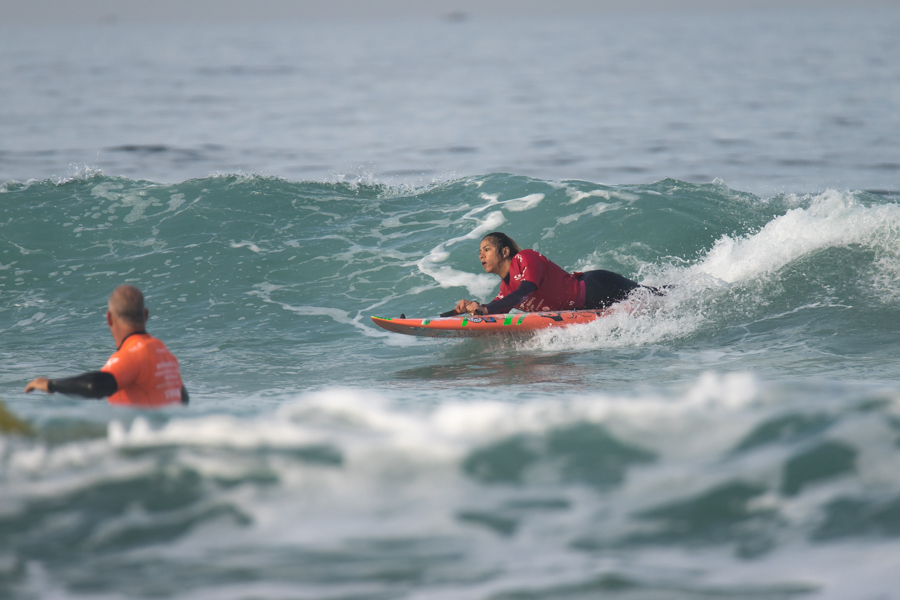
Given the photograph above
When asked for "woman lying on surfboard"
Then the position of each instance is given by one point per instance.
(532, 283)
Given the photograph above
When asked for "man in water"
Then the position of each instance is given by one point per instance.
(142, 372)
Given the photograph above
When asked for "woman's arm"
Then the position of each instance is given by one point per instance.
(510, 301)
(503, 305)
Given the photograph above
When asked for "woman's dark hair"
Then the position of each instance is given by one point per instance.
(501, 241)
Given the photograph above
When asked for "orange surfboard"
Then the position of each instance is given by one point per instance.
(475, 326)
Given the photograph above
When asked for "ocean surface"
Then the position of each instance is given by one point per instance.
(272, 187)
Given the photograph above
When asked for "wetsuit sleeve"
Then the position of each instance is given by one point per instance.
(94, 384)
(508, 302)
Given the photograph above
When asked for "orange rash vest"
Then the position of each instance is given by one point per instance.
(146, 372)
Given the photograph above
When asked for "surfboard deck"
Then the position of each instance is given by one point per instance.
(475, 326)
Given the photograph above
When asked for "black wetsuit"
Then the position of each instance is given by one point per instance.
(605, 288)
(93, 385)
(601, 290)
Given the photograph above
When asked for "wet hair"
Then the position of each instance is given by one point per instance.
(500, 241)
(127, 303)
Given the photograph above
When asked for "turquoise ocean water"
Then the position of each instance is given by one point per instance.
(736, 438)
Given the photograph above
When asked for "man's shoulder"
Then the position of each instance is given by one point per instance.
(531, 256)
(140, 344)
(134, 342)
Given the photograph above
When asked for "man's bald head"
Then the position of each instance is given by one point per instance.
(127, 304)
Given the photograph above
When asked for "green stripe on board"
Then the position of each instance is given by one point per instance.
(426, 321)
(465, 322)
(383, 318)
(519, 322)
(507, 320)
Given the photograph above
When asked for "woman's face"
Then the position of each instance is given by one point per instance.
(491, 259)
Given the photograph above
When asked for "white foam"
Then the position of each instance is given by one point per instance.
(886, 278)
(513, 204)
(524, 203)
(830, 220)
(33, 319)
(478, 285)
(640, 321)
(249, 245)
(400, 478)
(575, 195)
(593, 211)
(76, 172)
(138, 201)
(349, 417)
(833, 219)
(175, 201)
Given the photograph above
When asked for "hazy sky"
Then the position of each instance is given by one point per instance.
(110, 11)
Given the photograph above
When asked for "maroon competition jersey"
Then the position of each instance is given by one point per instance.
(556, 289)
